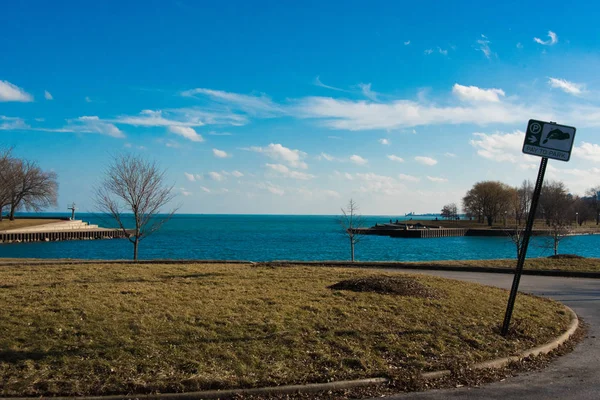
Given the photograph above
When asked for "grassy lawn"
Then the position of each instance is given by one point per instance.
(563, 264)
(5, 224)
(136, 328)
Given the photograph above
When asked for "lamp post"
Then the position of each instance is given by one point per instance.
(576, 219)
(505, 217)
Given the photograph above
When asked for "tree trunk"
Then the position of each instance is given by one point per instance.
(490, 220)
(352, 249)
(135, 249)
(555, 247)
(12, 213)
(1, 216)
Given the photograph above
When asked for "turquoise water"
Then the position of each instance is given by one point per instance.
(287, 237)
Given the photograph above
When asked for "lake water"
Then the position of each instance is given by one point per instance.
(287, 237)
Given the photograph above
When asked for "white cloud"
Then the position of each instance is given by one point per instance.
(288, 173)
(318, 82)
(92, 124)
(550, 42)
(184, 192)
(374, 183)
(237, 174)
(358, 160)
(385, 142)
(190, 177)
(588, 151)
(426, 160)
(395, 158)
(499, 146)
(519, 45)
(220, 153)
(215, 176)
(47, 95)
(439, 50)
(484, 46)
(156, 118)
(476, 94)
(12, 123)
(398, 114)
(205, 189)
(293, 158)
(566, 86)
(437, 179)
(257, 105)
(365, 88)
(10, 92)
(448, 154)
(408, 178)
(87, 99)
(326, 156)
(406, 43)
(186, 132)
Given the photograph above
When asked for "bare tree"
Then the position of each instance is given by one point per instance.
(487, 199)
(135, 185)
(556, 204)
(350, 221)
(450, 211)
(522, 201)
(29, 186)
(5, 180)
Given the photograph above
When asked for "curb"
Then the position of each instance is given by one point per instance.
(319, 387)
(344, 264)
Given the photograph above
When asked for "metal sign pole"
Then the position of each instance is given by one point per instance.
(525, 244)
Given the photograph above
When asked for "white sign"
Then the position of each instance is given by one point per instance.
(550, 140)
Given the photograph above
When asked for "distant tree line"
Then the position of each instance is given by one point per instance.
(490, 201)
(24, 185)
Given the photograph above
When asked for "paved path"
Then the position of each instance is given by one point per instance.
(574, 376)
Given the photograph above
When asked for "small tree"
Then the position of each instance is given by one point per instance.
(135, 185)
(350, 221)
(556, 204)
(5, 180)
(450, 211)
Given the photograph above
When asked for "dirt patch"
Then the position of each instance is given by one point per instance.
(383, 284)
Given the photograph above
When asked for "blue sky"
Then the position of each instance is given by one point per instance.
(273, 107)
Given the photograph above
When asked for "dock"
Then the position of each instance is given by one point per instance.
(59, 231)
(418, 231)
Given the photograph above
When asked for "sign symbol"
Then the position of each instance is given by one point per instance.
(535, 128)
(557, 134)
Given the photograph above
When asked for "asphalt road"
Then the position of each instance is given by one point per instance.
(573, 376)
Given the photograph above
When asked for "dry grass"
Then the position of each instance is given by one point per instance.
(5, 224)
(559, 264)
(136, 328)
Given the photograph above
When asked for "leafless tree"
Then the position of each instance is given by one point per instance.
(28, 186)
(450, 211)
(556, 204)
(522, 201)
(350, 221)
(487, 199)
(5, 180)
(135, 185)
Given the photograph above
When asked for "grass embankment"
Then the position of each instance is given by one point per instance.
(6, 224)
(101, 329)
(554, 264)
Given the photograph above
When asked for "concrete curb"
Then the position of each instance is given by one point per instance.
(319, 387)
(341, 264)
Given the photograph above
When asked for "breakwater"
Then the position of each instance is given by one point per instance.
(92, 234)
